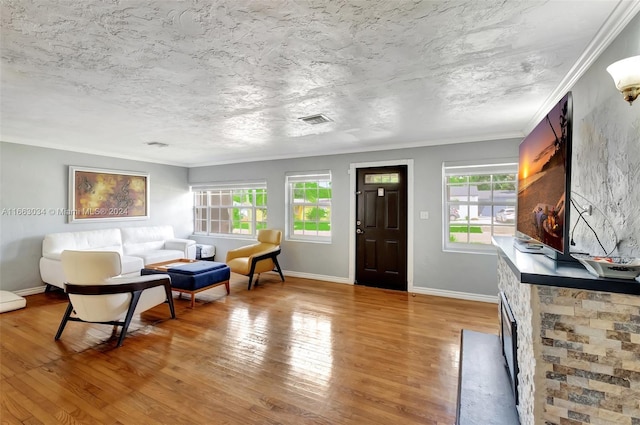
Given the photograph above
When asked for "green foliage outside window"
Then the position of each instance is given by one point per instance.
(310, 207)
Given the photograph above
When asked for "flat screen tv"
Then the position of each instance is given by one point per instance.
(544, 176)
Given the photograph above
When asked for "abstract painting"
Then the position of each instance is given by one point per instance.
(99, 195)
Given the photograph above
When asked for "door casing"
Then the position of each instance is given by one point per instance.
(352, 215)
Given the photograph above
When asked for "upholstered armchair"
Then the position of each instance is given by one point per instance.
(257, 258)
(97, 294)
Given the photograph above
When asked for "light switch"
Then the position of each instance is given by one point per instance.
(424, 215)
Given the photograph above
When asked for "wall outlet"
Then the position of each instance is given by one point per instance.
(424, 215)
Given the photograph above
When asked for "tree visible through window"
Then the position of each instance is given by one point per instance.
(230, 209)
(479, 202)
(309, 199)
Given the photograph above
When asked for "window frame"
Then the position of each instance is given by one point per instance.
(476, 168)
(307, 177)
(233, 188)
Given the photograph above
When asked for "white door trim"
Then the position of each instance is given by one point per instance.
(352, 214)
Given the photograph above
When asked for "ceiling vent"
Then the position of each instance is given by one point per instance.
(316, 119)
(157, 144)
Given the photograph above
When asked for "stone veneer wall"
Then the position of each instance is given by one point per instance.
(578, 353)
(519, 298)
(590, 357)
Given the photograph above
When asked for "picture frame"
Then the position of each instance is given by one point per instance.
(97, 194)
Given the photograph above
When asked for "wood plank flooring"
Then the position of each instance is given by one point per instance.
(298, 352)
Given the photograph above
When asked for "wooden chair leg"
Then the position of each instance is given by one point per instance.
(167, 289)
(135, 297)
(65, 319)
(253, 268)
(275, 261)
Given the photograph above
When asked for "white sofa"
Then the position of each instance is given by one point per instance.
(138, 246)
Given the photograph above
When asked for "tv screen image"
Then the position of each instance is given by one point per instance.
(544, 178)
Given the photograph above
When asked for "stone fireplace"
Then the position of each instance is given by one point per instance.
(578, 347)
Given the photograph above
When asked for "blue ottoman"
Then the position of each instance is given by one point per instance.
(192, 277)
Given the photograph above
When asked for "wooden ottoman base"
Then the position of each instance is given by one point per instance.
(194, 292)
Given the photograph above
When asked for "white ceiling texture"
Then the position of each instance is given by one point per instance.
(226, 81)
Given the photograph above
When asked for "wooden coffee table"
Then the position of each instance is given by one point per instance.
(191, 276)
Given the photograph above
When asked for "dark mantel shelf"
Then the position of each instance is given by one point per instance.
(538, 269)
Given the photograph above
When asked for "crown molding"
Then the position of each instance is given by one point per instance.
(619, 18)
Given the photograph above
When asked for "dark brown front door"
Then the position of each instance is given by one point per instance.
(381, 227)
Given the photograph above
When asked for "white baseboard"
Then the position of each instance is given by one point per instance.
(334, 279)
(30, 291)
(455, 294)
(426, 291)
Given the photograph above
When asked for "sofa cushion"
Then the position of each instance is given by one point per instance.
(160, 255)
(131, 264)
(139, 241)
(196, 267)
(96, 240)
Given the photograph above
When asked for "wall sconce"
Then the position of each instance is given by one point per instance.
(626, 76)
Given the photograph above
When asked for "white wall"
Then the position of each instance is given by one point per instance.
(33, 177)
(433, 268)
(606, 153)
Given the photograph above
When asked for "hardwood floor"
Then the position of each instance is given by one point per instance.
(298, 352)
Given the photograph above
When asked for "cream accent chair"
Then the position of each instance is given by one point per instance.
(98, 294)
(257, 258)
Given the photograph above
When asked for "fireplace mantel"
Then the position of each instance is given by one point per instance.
(539, 269)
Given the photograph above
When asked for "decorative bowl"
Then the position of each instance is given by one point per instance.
(610, 267)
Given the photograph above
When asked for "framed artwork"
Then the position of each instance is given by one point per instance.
(102, 195)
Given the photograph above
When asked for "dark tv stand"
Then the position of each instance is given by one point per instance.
(562, 258)
(532, 246)
(529, 246)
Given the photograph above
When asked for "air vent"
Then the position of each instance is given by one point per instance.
(157, 144)
(316, 119)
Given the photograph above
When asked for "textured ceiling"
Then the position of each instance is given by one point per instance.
(227, 81)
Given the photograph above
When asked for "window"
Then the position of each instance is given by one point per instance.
(232, 209)
(382, 178)
(479, 202)
(309, 206)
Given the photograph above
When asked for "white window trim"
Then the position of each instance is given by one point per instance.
(214, 186)
(304, 176)
(479, 167)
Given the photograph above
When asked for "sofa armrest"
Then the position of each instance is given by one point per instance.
(187, 246)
